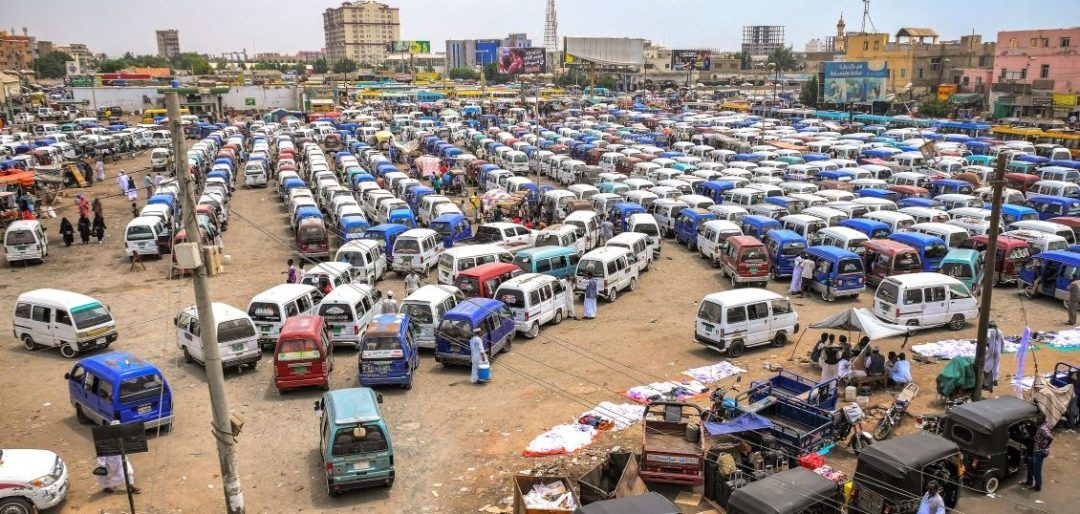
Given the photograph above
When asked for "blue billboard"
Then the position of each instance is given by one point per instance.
(853, 82)
(487, 51)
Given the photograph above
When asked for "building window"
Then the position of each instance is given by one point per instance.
(1004, 72)
(1012, 43)
(920, 72)
(877, 45)
(1065, 42)
(1034, 42)
(1044, 71)
(1023, 74)
(903, 73)
(978, 81)
(935, 63)
(1044, 42)
(865, 45)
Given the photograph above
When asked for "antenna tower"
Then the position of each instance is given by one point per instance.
(551, 28)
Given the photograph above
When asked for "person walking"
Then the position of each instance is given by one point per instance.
(607, 230)
(157, 179)
(1044, 435)
(807, 275)
(148, 183)
(67, 231)
(388, 305)
(995, 344)
(436, 183)
(1074, 301)
(412, 282)
(84, 206)
(931, 502)
(110, 472)
(122, 181)
(98, 228)
(96, 207)
(99, 170)
(592, 290)
(132, 191)
(796, 277)
(477, 355)
(568, 287)
(84, 229)
(291, 276)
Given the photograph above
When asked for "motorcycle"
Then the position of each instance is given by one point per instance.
(723, 407)
(896, 411)
(849, 428)
(930, 424)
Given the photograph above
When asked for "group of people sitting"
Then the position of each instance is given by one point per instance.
(840, 360)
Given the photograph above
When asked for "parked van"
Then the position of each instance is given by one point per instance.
(931, 248)
(745, 260)
(965, 265)
(569, 236)
(665, 210)
(461, 258)
(354, 441)
(803, 224)
(238, 343)
(840, 237)
(303, 356)
(1049, 227)
(925, 300)
(712, 238)
(141, 236)
(483, 280)
(1039, 241)
(616, 268)
(556, 261)
(388, 353)
(25, 240)
(837, 272)
(895, 220)
(417, 249)
(336, 274)
(534, 299)
(367, 258)
(118, 386)
(347, 312)
(638, 244)
(884, 258)
(426, 306)
(589, 223)
(492, 318)
(731, 321)
(52, 318)
(271, 308)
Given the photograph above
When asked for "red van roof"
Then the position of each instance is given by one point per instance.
(306, 325)
(486, 270)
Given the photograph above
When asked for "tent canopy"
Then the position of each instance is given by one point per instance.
(864, 321)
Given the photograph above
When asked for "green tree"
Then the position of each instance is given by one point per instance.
(112, 65)
(744, 60)
(935, 108)
(463, 74)
(51, 65)
(195, 63)
(300, 68)
(320, 66)
(809, 94)
(608, 81)
(784, 59)
(345, 66)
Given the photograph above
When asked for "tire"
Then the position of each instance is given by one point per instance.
(406, 386)
(83, 419)
(633, 284)
(68, 352)
(1072, 414)
(14, 505)
(28, 343)
(187, 356)
(779, 340)
(613, 295)
(735, 349)
(957, 322)
(883, 429)
(990, 484)
(534, 331)
(509, 343)
(329, 491)
(558, 317)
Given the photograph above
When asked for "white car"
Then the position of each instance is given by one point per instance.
(33, 480)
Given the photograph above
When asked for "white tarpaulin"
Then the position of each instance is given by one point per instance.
(864, 321)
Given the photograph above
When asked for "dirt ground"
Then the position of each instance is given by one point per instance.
(457, 445)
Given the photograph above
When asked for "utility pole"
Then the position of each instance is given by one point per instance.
(222, 426)
(987, 285)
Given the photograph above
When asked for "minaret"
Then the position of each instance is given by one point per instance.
(840, 43)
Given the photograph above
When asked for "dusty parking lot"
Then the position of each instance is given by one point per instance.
(456, 444)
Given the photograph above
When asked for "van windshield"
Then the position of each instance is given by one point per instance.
(20, 237)
(647, 228)
(140, 233)
(442, 227)
(140, 388)
(296, 350)
(312, 235)
(407, 246)
(487, 234)
(793, 249)
(345, 443)
(468, 285)
(753, 255)
(907, 262)
(956, 270)
(381, 343)
(418, 313)
(511, 297)
(261, 311)
(90, 315)
(236, 329)
(710, 312)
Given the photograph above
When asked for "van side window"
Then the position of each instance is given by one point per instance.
(290, 310)
(545, 293)
(77, 374)
(534, 297)
(105, 390)
(912, 296)
(556, 287)
(758, 310)
(543, 265)
(303, 303)
(23, 310)
(736, 314)
(781, 306)
(42, 314)
(935, 294)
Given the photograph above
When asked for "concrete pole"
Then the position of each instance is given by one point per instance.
(987, 286)
(221, 427)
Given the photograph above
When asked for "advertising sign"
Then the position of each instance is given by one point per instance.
(487, 51)
(521, 60)
(683, 60)
(853, 82)
(409, 47)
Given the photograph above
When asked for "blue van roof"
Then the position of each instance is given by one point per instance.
(118, 365)
(473, 309)
(353, 221)
(1051, 199)
(392, 324)
(540, 252)
(862, 223)
(918, 237)
(757, 219)
(784, 236)
(696, 213)
(1016, 209)
(449, 218)
(352, 405)
(387, 227)
(1065, 256)
(832, 252)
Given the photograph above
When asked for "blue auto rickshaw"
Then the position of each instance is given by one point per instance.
(872, 228)
(1012, 213)
(1049, 207)
(451, 227)
(619, 215)
(492, 318)
(1054, 270)
(713, 190)
(931, 248)
(950, 186)
(687, 223)
(388, 352)
(385, 233)
(837, 272)
(783, 247)
(403, 217)
(352, 228)
(873, 192)
(758, 226)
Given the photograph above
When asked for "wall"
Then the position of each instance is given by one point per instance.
(1015, 52)
(265, 98)
(131, 98)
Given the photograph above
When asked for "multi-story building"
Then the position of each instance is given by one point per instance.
(1036, 72)
(16, 52)
(761, 40)
(360, 31)
(168, 43)
(917, 58)
(78, 51)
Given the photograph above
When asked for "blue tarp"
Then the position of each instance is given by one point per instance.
(743, 423)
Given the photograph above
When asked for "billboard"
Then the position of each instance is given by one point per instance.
(521, 60)
(698, 60)
(487, 51)
(604, 51)
(410, 47)
(853, 82)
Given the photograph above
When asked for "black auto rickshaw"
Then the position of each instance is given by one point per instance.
(891, 476)
(995, 437)
(795, 491)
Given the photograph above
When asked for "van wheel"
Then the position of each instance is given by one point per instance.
(330, 491)
(779, 340)
(67, 351)
(647, 264)
(735, 349)
(14, 505)
(534, 331)
(508, 343)
(990, 484)
(187, 356)
(612, 295)
(957, 322)
(28, 343)
(82, 418)
(633, 284)
(558, 317)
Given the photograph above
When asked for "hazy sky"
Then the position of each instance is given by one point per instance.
(117, 26)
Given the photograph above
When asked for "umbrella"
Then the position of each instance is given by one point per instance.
(863, 321)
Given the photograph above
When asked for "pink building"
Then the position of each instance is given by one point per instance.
(1036, 72)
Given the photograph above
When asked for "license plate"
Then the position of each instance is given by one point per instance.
(300, 370)
(337, 330)
(753, 270)
(361, 466)
(238, 347)
(145, 409)
(100, 341)
(264, 329)
(21, 248)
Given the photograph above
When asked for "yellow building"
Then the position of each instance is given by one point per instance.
(875, 49)
(916, 56)
(360, 31)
